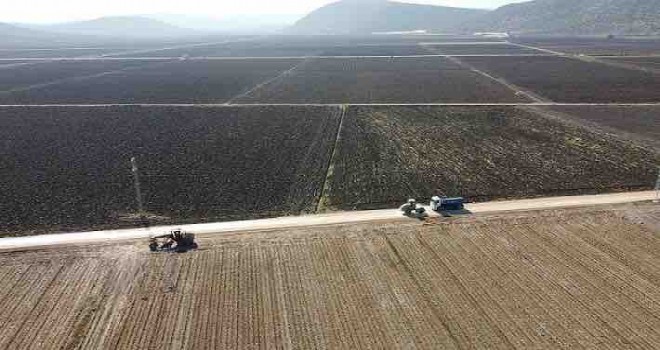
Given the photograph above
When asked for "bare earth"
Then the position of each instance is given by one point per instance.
(563, 278)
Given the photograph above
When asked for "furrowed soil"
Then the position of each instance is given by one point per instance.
(382, 80)
(205, 81)
(20, 77)
(596, 46)
(388, 154)
(637, 123)
(569, 80)
(68, 168)
(571, 279)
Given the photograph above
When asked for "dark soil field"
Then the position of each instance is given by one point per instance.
(7, 64)
(375, 50)
(238, 49)
(58, 53)
(382, 80)
(638, 123)
(203, 81)
(68, 168)
(559, 279)
(387, 154)
(573, 81)
(597, 46)
(646, 62)
(18, 77)
(481, 49)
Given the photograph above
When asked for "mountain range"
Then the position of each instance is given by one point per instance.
(568, 17)
(583, 17)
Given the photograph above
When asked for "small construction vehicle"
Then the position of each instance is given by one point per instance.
(176, 240)
(447, 204)
(412, 209)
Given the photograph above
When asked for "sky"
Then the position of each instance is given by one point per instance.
(52, 11)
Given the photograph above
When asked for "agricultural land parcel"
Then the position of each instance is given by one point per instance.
(67, 168)
(637, 123)
(570, 80)
(596, 46)
(580, 278)
(382, 80)
(207, 81)
(388, 153)
(320, 80)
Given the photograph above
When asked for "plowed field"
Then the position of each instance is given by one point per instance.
(573, 279)
(389, 153)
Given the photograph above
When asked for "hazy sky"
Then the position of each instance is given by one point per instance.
(65, 10)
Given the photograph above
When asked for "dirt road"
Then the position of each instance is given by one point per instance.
(318, 220)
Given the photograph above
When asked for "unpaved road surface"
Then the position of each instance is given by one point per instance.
(318, 220)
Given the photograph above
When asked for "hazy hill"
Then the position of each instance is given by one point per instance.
(573, 17)
(369, 16)
(129, 26)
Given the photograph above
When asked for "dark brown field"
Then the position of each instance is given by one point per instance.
(569, 80)
(637, 123)
(382, 80)
(389, 153)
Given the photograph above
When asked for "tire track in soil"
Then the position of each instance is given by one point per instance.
(582, 327)
(580, 285)
(323, 202)
(287, 327)
(453, 331)
(327, 303)
(86, 311)
(482, 298)
(360, 295)
(344, 335)
(141, 305)
(34, 321)
(124, 272)
(505, 284)
(313, 297)
(637, 291)
(386, 306)
(531, 257)
(643, 256)
(419, 325)
(28, 300)
(55, 323)
(266, 82)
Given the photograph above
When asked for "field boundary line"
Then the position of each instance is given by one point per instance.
(552, 52)
(179, 47)
(247, 105)
(238, 58)
(516, 89)
(330, 169)
(76, 78)
(597, 59)
(266, 82)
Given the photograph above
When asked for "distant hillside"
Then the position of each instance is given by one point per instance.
(573, 17)
(132, 26)
(369, 16)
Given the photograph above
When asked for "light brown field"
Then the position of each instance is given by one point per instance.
(578, 278)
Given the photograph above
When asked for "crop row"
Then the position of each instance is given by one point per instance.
(577, 278)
